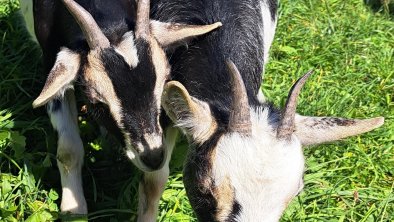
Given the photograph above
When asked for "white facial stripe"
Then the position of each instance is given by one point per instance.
(153, 140)
(127, 49)
(96, 76)
(162, 68)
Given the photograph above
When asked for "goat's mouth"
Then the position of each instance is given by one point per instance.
(149, 160)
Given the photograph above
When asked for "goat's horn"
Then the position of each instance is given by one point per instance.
(143, 21)
(240, 114)
(92, 32)
(287, 124)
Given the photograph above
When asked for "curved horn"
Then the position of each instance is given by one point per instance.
(240, 114)
(92, 32)
(142, 24)
(287, 124)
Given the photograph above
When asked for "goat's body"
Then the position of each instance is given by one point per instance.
(245, 161)
(56, 28)
(245, 38)
(93, 42)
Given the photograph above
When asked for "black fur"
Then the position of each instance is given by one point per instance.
(54, 106)
(55, 27)
(201, 68)
(198, 181)
(237, 208)
(134, 88)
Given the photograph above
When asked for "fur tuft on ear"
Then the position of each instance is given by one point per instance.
(61, 77)
(316, 130)
(168, 34)
(191, 115)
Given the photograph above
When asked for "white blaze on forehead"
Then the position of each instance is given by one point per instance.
(97, 78)
(127, 49)
(264, 172)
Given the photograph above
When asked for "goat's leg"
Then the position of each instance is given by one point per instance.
(70, 153)
(152, 185)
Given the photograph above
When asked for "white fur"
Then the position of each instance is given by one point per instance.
(268, 29)
(153, 140)
(127, 49)
(264, 172)
(260, 97)
(69, 155)
(205, 127)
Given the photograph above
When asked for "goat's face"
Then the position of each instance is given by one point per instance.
(128, 77)
(252, 166)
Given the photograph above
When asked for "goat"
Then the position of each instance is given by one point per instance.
(93, 43)
(244, 164)
(245, 37)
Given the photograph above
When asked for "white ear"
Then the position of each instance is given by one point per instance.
(61, 77)
(315, 130)
(127, 49)
(191, 115)
(168, 34)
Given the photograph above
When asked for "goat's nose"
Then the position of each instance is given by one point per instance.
(153, 158)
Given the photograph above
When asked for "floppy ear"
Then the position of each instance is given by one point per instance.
(190, 114)
(168, 34)
(315, 130)
(61, 77)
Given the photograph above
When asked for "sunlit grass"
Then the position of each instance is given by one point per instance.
(351, 50)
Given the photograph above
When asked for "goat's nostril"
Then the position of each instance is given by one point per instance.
(153, 158)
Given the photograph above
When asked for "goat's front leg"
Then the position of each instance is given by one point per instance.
(152, 185)
(70, 153)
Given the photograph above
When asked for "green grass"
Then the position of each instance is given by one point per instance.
(351, 49)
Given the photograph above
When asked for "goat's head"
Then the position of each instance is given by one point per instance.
(252, 166)
(128, 77)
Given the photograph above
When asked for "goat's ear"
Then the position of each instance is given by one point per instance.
(190, 114)
(61, 77)
(169, 34)
(315, 130)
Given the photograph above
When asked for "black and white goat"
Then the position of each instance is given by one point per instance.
(92, 42)
(245, 161)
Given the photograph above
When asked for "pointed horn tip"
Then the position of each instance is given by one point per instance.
(307, 75)
(217, 24)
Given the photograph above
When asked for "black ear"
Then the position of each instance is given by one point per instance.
(61, 77)
(168, 34)
(315, 130)
(194, 117)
